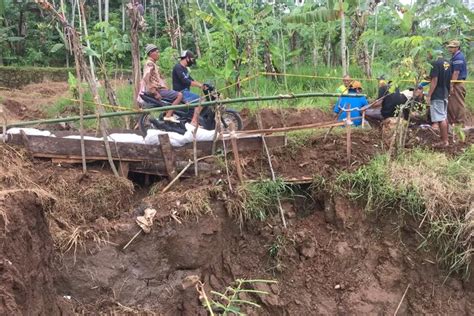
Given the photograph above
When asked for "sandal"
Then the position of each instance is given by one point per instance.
(171, 119)
(441, 145)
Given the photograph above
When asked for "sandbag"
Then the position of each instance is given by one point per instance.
(201, 134)
(176, 140)
(127, 138)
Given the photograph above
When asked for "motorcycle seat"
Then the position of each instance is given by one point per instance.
(152, 102)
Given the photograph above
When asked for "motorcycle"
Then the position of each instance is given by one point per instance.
(206, 117)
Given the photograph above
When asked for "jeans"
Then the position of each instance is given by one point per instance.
(189, 97)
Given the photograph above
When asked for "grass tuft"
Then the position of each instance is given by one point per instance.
(257, 200)
(435, 190)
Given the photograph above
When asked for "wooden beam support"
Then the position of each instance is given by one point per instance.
(235, 152)
(124, 167)
(168, 155)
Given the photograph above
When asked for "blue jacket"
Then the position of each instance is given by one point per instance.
(458, 63)
(348, 101)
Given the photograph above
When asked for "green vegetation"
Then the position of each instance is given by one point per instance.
(230, 301)
(434, 189)
(257, 200)
(235, 40)
(69, 106)
(276, 246)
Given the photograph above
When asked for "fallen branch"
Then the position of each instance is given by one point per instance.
(133, 238)
(183, 171)
(294, 128)
(401, 301)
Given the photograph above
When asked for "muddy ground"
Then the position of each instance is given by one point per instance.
(62, 238)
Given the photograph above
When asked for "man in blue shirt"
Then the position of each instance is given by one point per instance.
(351, 102)
(456, 103)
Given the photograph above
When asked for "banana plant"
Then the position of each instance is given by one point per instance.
(110, 47)
(233, 38)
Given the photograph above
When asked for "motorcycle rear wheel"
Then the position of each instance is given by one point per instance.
(229, 116)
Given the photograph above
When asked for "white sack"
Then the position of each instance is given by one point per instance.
(29, 131)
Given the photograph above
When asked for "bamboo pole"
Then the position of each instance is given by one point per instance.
(348, 123)
(260, 125)
(176, 107)
(81, 112)
(235, 152)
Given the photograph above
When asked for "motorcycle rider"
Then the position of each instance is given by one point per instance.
(182, 82)
(154, 83)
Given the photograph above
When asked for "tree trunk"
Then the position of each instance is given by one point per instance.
(268, 60)
(208, 37)
(328, 53)
(20, 46)
(135, 43)
(106, 11)
(123, 15)
(373, 45)
(367, 64)
(154, 14)
(86, 34)
(197, 38)
(315, 46)
(178, 26)
(99, 5)
(111, 96)
(283, 49)
(343, 38)
(358, 25)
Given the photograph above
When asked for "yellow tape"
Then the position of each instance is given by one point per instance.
(103, 104)
(241, 81)
(340, 78)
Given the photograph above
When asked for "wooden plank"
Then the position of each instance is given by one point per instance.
(158, 168)
(168, 155)
(70, 161)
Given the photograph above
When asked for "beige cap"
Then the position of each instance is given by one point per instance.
(454, 44)
(407, 93)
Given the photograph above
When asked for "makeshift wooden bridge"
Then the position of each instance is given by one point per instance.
(162, 160)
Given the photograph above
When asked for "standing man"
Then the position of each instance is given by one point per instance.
(182, 81)
(456, 104)
(344, 88)
(154, 82)
(437, 99)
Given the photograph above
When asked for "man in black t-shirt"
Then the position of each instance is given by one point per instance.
(390, 104)
(437, 98)
(384, 86)
(182, 81)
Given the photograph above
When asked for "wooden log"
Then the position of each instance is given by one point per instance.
(168, 155)
(66, 148)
